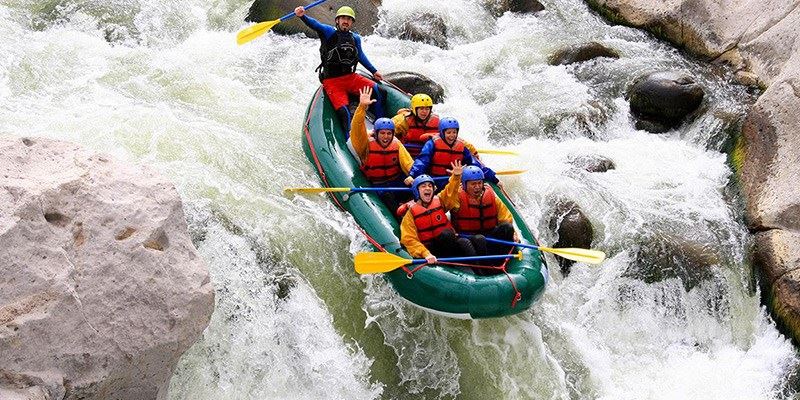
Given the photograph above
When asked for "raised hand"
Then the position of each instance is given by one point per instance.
(365, 96)
(457, 168)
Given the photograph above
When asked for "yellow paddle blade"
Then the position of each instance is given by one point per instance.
(378, 262)
(500, 152)
(511, 172)
(576, 254)
(316, 190)
(251, 32)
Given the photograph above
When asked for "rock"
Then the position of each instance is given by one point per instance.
(266, 10)
(776, 261)
(102, 289)
(499, 7)
(425, 28)
(573, 228)
(767, 155)
(664, 256)
(664, 98)
(413, 83)
(581, 52)
(592, 163)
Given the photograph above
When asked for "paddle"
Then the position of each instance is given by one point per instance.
(346, 189)
(571, 253)
(379, 262)
(252, 32)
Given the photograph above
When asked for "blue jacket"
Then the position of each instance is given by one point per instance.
(326, 31)
(423, 163)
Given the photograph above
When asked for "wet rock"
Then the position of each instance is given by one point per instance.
(425, 28)
(664, 256)
(267, 10)
(413, 83)
(592, 163)
(573, 229)
(776, 261)
(102, 289)
(499, 7)
(664, 99)
(581, 52)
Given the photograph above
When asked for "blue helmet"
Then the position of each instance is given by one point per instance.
(419, 181)
(447, 123)
(384, 123)
(471, 173)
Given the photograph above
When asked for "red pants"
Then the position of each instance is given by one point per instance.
(338, 88)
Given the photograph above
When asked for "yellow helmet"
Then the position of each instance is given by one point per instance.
(346, 12)
(420, 100)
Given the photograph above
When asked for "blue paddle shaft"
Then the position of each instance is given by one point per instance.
(380, 189)
(473, 258)
(314, 4)
(529, 246)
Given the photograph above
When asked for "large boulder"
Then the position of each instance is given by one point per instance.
(581, 52)
(499, 7)
(267, 10)
(412, 82)
(573, 229)
(661, 100)
(776, 261)
(425, 28)
(592, 162)
(101, 289)
(664, 255)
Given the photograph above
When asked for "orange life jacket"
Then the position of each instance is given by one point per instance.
(430, 221)
(382, 164)
(475, 218)
(443, 155)
(416, 129)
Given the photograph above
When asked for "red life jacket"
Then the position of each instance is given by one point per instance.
(430, 221)
(382, 164)
(443, 155)
(475, 218)
(416, 129)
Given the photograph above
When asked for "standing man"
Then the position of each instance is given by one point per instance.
(384, 160)
(341, 52)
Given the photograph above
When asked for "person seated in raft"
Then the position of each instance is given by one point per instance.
(439, 152)
(425, 230)
(384, 160)
(416, 125)
(480, 213)
(340, 51)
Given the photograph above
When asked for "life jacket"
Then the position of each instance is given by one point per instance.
(475, 218)
(382, 164)
(443, 155)
(339, 55)
(416, 129)
(430, 221)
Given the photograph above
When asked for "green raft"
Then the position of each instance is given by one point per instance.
(449, 291)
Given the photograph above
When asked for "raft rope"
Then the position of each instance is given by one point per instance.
(517, 294)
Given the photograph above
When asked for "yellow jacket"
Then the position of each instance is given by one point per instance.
(503, 214)
(401, 128)
(408, 230)
(360, 140)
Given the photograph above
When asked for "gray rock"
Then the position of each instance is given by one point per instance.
(101, 289)
(266, 10)
(592, 163)
(776, 259)
(499, 7)
(425, 28)
(412, 82)
(573, 228)
(664, 98)
(581, 52)
(663, 255)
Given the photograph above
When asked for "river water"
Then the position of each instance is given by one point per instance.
(671, 314)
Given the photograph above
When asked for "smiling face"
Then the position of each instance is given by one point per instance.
(344, 23)
(423, 112)
(450, 136)
(426, 192)
(474, 188)
(385, 137)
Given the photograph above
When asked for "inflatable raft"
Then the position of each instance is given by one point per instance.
(445, 290)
